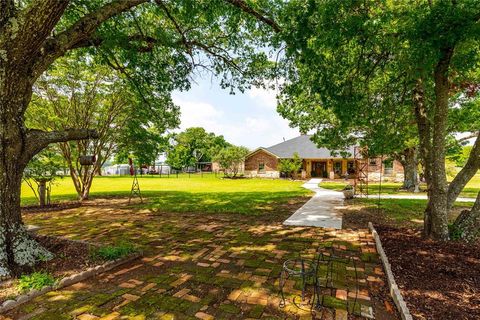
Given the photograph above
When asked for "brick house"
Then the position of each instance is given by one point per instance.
(317, 162)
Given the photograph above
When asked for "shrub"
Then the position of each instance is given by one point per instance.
(231, 159)
(36, 280)
(290, 167)
(113, 252)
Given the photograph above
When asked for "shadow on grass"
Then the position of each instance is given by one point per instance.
(248, 203)
(225, 202)
(405, 213)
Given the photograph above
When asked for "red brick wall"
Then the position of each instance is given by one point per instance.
(397, 166)
(251, 162)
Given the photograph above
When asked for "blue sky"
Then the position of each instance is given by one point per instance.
(249, 119)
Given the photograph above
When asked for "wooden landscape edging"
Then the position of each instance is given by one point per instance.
(65, 282)
(392, 285)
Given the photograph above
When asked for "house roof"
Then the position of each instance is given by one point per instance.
(261, 149)
(306, 149)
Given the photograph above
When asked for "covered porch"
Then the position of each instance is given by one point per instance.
(329, 168)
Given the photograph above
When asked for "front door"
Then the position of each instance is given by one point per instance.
(320, 169)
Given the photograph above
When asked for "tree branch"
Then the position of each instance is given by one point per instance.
(258, 15)
(423, 126)
(80, 32)
(36, 140)
(175, 23)
(467, 173)
(37, 22)
(94, 41)
(470, 136)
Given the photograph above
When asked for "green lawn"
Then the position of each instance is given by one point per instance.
(471, 189)
(403, 209)
(195, 193)
(405, 213)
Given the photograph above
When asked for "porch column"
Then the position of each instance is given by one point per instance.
(331, 173)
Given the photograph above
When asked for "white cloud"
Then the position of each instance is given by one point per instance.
(198, 114)
(249, 120)
(264, 97)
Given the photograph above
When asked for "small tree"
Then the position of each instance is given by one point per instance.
(230, 159)
(195, 145)
(290, 166)
(40, 171)
(81, 93)
(179, 158)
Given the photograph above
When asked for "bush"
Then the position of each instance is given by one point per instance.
(113, 252)
(36, 280)
(290, 167)
(231, 159)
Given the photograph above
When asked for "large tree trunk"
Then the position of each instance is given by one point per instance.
(467, 224)
(436, 226)
(42, 192)
(410, 175)
(17, 146)
(17, 248)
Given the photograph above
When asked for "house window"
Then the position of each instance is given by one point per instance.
(372, 162)
(350, 167)
(337, 167)
(261, 167)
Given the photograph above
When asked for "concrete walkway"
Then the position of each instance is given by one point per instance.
(320, 210)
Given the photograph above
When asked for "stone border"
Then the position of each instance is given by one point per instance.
(67, 281)
(392, 285)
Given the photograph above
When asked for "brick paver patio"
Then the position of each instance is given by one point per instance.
(202, 267)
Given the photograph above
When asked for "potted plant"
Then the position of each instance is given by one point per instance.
(348, 191)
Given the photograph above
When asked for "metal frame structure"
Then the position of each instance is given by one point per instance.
(360, 183)
(135, 191)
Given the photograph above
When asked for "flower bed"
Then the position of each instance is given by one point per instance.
(74, 261)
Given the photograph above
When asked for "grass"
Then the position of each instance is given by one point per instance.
(36, 280)
(373, 188)
(470, 191)
(113, 252)
(195, 193)
(402, 211)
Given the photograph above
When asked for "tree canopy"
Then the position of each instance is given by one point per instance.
(381, 70)
(157, 46)
(194, 145)
(231, 159)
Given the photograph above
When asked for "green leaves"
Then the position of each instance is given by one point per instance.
(290, 166)
(36, 280)
(352, 67)
(194, 145)
(44, 166)
(231, 158)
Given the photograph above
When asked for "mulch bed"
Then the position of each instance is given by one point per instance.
(439, 280)
(52, 207)
(70, 257)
